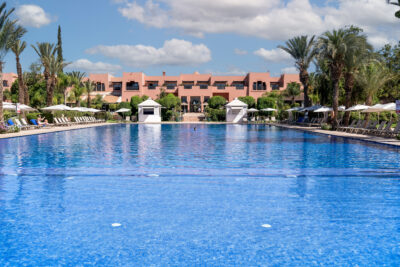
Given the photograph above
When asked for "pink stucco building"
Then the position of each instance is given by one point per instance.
(194, 90)
(8, 80)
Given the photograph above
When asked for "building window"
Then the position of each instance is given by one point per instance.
(203, 86)
(148, 111)
(238, 85)
(100, 87)
(220, 85)
(274, 86)
(152, 85)
(117, 86)
(132, 86)
(170, 85)
(259, 86)
(5, 83)
(184, 99)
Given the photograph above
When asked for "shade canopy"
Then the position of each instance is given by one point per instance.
(312, 108)
(122, 110)
(252, 110)
(328, 109)
(57, 108)
(24, 107)
(237, 103)
(357, 108)
(8, 106)
(149, 103)
(294, 109)
(390, 107)
(269, 109)
(374, 108)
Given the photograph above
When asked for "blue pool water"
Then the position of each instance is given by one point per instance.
(168, 195)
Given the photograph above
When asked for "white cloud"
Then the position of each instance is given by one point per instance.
(32, 16)
(274, 55)
(94, 67)
(240, 52)
(232, 70)
(290, 70)
(269, 19)
(173, 52)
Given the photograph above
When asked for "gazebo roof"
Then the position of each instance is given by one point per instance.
(236, 103)
(149, 103)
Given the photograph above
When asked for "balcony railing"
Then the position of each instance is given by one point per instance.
(152, 87)
(203, 86)
(239, 86)
(187, 86)
(132, 88)
(220, 86)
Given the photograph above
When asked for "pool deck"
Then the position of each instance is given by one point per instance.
(54, 129)
(366, 138)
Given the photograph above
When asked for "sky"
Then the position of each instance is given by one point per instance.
(222, 37)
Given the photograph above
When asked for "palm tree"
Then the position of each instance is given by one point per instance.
(77, 81)
(17, 48)
(45, 51)
(63, 82)
(354, 59)
(333, 47)
(303, 51)
(89, 87)
(397, 14)
(9, 32)
(371, 78)
(55, 66)
(292, 90)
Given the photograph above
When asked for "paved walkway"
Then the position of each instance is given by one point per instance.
(367, 138)
(45, 130)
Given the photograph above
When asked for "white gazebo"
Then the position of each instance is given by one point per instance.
(236, 111)
(149, 111)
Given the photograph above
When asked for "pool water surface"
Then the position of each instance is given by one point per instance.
(124, 195)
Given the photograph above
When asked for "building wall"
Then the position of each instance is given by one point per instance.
(8, 80)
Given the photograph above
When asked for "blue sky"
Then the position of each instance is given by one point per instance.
(229, 37)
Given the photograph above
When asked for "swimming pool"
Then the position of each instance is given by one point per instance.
(172, 195)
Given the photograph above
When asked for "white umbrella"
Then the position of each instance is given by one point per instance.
(252, 110)
(122, 110)
(9, 106)
(327, 109)
(375, 108)
(56, 108)
(269, 109)
(24, 107)
(312, 108)
(357, 108)
(94, 110)
(389, 107)
(294, 109)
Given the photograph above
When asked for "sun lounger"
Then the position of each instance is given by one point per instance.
(375, 130)
(395, 132)
(356, 127)
(371, 125)
(352, 125)
(19, 125)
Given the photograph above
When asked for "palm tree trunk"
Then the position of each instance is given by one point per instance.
(88, 100)
(348, 87)
(304, 79)
(368, 102)
(21, 88)
(26, 94)
(335, 103)
(1, 93)
(49, 95)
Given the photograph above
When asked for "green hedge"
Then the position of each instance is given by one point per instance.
(215, 114)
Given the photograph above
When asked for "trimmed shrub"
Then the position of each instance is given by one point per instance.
(215, 114)
(249, 100)
(216, 102)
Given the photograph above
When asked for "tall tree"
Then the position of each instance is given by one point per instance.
(397, 14)
(371, 78)
(303, 51)
(78, 88)
(55, 66)
(89, 87)
(9, 32)
(59, 46)
(354, 59)
(292, 90)
(45, 51)
(333, 47)
(18, 47)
